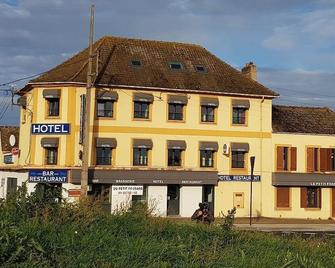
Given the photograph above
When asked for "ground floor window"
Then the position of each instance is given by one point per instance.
(310, 197)
(208, 196)
(140, 199)
(283, 197)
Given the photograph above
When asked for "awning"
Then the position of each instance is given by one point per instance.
(106, 142)
(51, 93)
(239, 103)
(212, 146)
(107, 95)
(176, 145)
(143, 97)
(142, 143)
(180, 99)
(151, 177)
(240, 147)
(303, 179)
(49, 142)
(209, 102)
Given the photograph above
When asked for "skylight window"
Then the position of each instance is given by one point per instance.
(200, 69)
(136, 63)
(176, 66)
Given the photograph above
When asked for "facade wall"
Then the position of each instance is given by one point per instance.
(295, 211)
(190, 197)
(157, 200)
(4, 175)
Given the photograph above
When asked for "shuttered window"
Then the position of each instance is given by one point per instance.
(320, 159)
(286, 158)
(283, 197)
(310, 197)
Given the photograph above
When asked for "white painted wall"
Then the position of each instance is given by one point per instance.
(190, 197)
(21, 177)
(120, 202)
(157, 200)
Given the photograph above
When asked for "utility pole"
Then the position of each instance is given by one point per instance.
(252, 162)
(87, 123)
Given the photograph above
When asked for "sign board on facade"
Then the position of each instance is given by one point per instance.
(127, 189)
(50, 129)
(48, 176)
(303, 179)
(8, 159)
(15, 151)
(238, 178)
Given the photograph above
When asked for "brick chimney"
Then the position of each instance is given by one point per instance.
(250, 71)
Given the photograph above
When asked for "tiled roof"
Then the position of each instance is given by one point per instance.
(5, 132)
(114, 56)
(297, 119)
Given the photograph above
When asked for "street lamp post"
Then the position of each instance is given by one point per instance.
(252, 162)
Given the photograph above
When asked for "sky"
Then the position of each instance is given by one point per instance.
(292, 42)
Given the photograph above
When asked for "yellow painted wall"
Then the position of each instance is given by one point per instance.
(300, 141)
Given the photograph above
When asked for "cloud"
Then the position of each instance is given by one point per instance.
(36, 35)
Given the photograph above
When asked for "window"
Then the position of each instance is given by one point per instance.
(140, 156)
(104, 108)
(310, 197)
(174, 157)
(103, 155)
(206, 158)
(176, 66)
(286, 158)
(200, 69)
(283, 197)
(140, 199)
(51, 155)
(320, 159)
(136, 63)
(53, 106)
(238, 159)
(141, 109)
(207, 113)
(239, 115)
(176, 111)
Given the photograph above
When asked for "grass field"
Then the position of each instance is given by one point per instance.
(82, 235)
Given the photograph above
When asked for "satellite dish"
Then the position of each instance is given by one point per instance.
(12, 140)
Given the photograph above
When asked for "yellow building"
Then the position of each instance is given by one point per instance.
(168, 117)
(171, 124)
(303, 164)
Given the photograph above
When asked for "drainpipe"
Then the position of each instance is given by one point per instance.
(261, 154)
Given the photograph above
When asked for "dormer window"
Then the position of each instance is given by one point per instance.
(136, 63)
(200, 69)
(176, 66)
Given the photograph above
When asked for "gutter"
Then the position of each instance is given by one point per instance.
(154, 89)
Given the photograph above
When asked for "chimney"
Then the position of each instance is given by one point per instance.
(250, 71)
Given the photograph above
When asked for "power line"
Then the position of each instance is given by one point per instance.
(21, 79)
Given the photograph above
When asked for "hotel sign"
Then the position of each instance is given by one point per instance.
(48, 176)
(238, 178)
(50, 129)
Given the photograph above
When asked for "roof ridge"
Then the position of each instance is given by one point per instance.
(149, 40)
(303, 107)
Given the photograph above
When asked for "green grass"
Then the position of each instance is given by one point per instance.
(83, 236)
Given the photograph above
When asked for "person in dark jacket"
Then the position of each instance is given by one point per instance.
(203, 214)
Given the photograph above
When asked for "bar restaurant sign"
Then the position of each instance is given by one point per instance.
(50, 129)
(48, 176)
(238, 178)
(127, 190)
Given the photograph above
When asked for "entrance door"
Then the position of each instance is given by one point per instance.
(333, 202)
(11, 186)
(208, 196)
(173, 200)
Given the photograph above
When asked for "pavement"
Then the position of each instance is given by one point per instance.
(289, 227)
